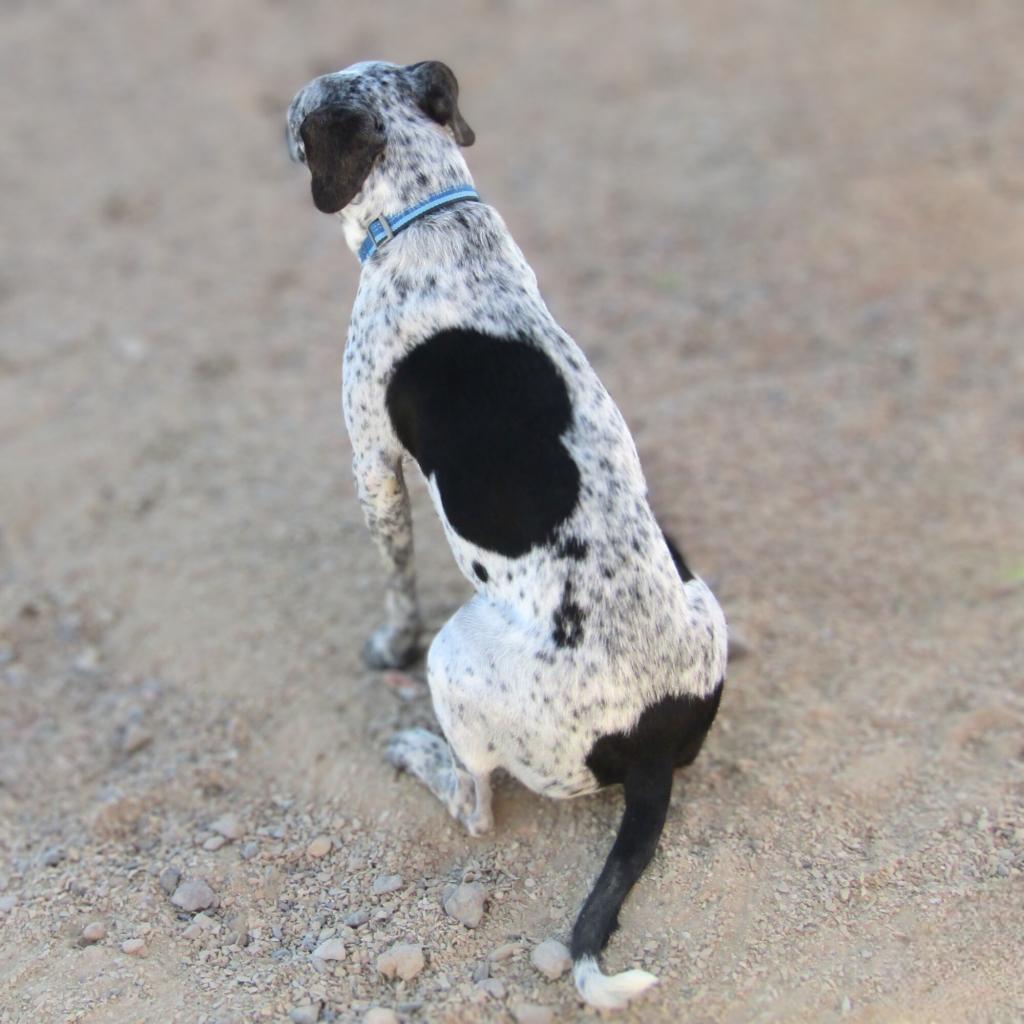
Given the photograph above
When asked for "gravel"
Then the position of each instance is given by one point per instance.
(551, 958)
(403, 960)
(380, 1015)
(169, 879)
(330, 949)
(95, 931)
(53, 856)
(134, 947)
(532, 1013)
(466, 903)
(319, 847)
(229, 826)
(307, 1013)
(193, 895)
(387, 883)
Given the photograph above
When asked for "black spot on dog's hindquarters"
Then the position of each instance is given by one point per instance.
(568, 620)
(484, 416)
(674, 729)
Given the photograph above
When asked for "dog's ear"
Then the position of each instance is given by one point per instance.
(341, 144)
(437, 93)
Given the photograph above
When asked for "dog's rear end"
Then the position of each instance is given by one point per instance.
(668, 736)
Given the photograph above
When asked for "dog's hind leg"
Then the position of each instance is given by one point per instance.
(466, 795)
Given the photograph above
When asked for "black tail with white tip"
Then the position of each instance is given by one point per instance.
(648, 787)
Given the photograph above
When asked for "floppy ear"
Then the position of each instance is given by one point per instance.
(437, 93)
(341, 144)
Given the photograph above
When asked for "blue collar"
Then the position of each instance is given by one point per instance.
(383, 229)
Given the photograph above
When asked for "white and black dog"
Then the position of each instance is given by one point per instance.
(589, 655)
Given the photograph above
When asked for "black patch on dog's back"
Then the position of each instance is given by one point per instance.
(485, 417)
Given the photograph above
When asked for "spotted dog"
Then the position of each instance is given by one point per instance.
(589, 655)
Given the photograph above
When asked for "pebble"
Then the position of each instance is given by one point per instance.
(466, 903)
(532, 1013)
(551, 958)
(214, 843)
(494, 988)
(95, 931)
(53, 856)
(332, 949)
(249, 851)
(504, 952)
(403, 959)
(134, 947)
(135, 738)
(387, 883)
(380, 1015)
(169, 879)
(307, 1014)
(229, 826)
(357, 918)
(193, 895)
(319, 847)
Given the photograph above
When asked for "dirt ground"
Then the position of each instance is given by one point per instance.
(790, 237)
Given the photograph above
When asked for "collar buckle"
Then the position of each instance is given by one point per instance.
(383, 225)
(382, 229)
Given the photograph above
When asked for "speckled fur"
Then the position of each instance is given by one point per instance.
(510, 691)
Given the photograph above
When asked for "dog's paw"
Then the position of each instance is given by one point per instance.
(388, 647)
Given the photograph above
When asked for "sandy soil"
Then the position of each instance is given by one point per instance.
(791, 238)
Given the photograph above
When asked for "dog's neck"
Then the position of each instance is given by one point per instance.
(403, 177)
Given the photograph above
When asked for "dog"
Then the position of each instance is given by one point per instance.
(589, 655)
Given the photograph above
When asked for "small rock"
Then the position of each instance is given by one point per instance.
(169, 879)
(466, 903)
(332, 949)
(134, 947)
(135, 738)
(193, 895)
(551, 958)
(532, 1013)
(53, 856)
(504, 952)
(482, 971)
(308, 1014)
(7, 904)
(380, 1015)
(236, 929)
(95, 931)
(229, 826)
(319, 847)
(214, 843)
(494, 988)
(387, 883)
(403, 959)
(249, 851)
(357, 918)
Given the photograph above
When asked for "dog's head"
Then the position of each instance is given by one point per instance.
(367, 120)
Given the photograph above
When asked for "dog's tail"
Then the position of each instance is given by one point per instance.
(648, 786)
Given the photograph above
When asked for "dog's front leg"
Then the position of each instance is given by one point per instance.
(385, 500)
